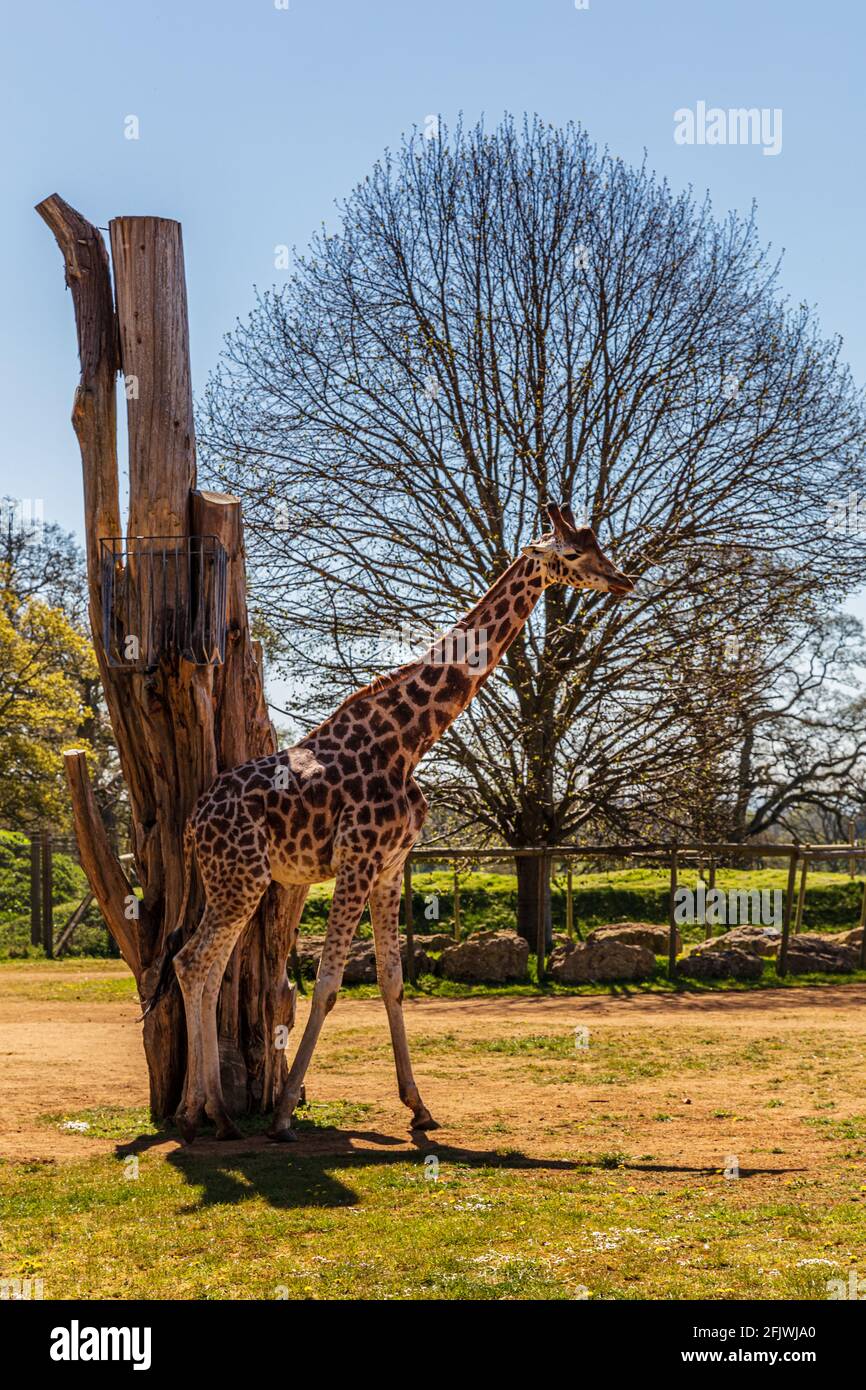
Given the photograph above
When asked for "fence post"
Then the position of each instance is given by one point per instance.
(569, 901)
(801, 897)
(672, 938)
(456, 902)
(36, 888)
(782, 963)
(708, 930)
(541, 925)
(410, 931)
(47, 895)
(862, 925)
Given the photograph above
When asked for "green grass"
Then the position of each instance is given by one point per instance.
(269, 1224)
(64, 982)
(134, 1123)
(488, 900)
(642, 894)
(586, 1210)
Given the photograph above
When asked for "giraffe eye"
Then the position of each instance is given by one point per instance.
(570, 555)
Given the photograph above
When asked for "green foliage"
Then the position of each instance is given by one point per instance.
(69, 886)
(45, 661)
(68, 879)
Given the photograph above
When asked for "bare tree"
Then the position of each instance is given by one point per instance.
(801, 748)
(506, 317)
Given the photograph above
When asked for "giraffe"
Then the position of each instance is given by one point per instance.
(344, 803)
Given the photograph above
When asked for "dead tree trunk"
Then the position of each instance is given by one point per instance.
(177, 723)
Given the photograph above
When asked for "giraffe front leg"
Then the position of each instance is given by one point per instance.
(350, 894)
(385, 913)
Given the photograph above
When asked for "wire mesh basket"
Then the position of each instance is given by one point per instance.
(163, 597)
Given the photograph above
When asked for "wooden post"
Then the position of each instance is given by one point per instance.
(541, 923)
(410, 931)
(47, 894)
(708, 930)
(672, 937)
(569, 901)
(456, 902)
(862, 925)
(852, 865)
(801, 896)
(75, 920)
(36, 888)
(782, 963)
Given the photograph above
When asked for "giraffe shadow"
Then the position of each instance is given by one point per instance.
(317, 1170)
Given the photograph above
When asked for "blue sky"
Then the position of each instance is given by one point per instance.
(254, 119)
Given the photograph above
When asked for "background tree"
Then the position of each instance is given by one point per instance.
(43, 659)
(506, 317)
(43, 562)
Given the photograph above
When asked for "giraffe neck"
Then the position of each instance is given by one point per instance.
(427, 695)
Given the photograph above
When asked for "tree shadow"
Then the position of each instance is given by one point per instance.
(316, 1170)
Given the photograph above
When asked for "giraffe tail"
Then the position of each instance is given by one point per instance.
(159, 978)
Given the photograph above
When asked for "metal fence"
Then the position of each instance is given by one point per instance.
(161, 595)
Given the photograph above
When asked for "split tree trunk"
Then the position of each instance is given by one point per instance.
(176, 724)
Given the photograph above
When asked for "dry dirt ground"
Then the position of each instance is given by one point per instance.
(679, 1081)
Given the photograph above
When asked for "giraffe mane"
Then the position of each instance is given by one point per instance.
(377, 684)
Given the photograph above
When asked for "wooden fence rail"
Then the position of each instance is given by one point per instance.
(798, 856)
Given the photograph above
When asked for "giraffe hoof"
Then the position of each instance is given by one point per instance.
(283, 1136)
(423, 1121)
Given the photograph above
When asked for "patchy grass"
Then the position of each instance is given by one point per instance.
(133, 1123)
(74, 989)
(388, 1226)
(95, 980)
(561, 1172)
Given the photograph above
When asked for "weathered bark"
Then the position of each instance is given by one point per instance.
(104, 873)
(176, 724)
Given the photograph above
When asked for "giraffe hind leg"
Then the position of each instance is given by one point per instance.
(350, 895)
(199, 967)
(385, 914)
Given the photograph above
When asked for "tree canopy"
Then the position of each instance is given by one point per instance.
(506, 317)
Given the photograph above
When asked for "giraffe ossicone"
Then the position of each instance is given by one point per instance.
(343, 803)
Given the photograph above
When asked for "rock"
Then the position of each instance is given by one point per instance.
(602, 958)
(850, 938)
(491, 956)
(811, 951)
(423, 963)
(440, 941)
(757, 941)
(653, 937)
(308, 950)
(724, 964)
(361, 963)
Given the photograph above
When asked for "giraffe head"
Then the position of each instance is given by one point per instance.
(570, 554)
